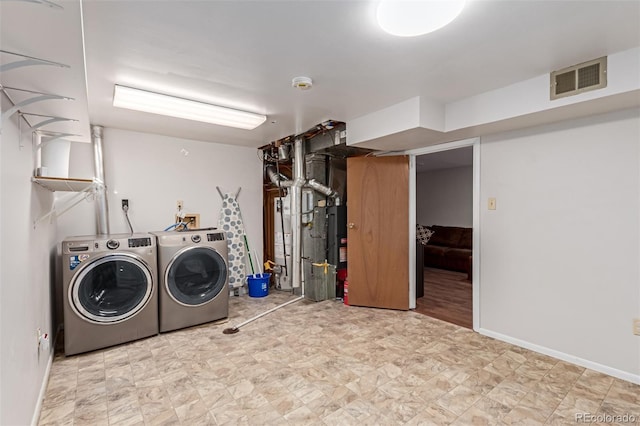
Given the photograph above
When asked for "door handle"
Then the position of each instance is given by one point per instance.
(351, 225)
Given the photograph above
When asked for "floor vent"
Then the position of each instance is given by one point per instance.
(579, 78)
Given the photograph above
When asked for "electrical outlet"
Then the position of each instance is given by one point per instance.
(191, 219)
(125, 203)
(492, 204)
(636, 326)
(180, 205)
(43, 341)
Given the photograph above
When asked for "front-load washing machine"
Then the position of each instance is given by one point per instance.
(194, 278)
(109, 290)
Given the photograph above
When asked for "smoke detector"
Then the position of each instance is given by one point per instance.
(302, 83)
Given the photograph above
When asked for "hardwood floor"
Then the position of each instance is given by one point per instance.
(447, 296)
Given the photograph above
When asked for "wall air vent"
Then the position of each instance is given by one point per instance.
(579, 78)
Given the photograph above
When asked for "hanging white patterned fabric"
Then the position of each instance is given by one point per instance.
(230, 222)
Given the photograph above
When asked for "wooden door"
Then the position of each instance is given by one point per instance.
(378, 231)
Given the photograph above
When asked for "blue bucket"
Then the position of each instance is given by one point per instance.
(258, 285)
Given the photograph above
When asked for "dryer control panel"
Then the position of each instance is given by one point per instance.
(218, 236)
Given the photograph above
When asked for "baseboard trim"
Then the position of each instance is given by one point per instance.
(45, 381)
(624, 375)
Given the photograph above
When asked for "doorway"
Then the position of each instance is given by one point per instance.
(446, 215)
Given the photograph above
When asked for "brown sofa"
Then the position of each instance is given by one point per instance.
(449, 248)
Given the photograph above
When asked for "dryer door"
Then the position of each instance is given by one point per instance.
(111, 288)
(195, 276)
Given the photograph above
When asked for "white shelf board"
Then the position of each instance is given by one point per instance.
(63, 184)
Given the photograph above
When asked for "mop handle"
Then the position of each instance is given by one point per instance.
(246, 244)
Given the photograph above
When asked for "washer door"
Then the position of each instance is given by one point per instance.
(112, 288)
(195, 276)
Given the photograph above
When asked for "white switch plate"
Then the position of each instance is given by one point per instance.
(492, 204)
(636, 326)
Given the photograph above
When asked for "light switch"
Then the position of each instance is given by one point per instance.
(492, 203)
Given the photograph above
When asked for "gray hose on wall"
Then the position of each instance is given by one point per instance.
(102, 207)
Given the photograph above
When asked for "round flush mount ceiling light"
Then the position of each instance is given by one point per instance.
(302, 83)
(409, 18)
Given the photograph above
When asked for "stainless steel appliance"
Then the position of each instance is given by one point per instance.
(194, 278)
(109, 290)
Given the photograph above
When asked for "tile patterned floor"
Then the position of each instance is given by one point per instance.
(327, 364)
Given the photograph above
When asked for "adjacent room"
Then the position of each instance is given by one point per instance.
(444, 229)
(319, 212)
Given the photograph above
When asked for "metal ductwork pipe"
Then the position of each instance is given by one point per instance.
(283, 152)
(296, 212)
(323, 189)
(278, 179)
(102, 207)
(281, 180)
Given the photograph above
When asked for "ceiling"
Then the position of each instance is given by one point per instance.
(243, 54)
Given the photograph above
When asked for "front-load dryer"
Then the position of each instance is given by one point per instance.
(194, 278)
(109, 290)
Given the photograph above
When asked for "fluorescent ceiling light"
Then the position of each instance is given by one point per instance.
(408, 18)
(156, 103)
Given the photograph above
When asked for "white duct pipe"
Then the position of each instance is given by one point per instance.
(296, 212)
(102, 207)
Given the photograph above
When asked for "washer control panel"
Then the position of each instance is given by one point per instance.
(196, 238)
(113, 244)
(139, 242)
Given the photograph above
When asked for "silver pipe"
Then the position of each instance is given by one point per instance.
(102, 207)
(37, 142)
(283, 152)
(278, 179)
(296, 212)
(323, 189)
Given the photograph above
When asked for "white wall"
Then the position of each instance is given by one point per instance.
(153, 172)
(559, 257)
(445, 197)
(26, 258)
